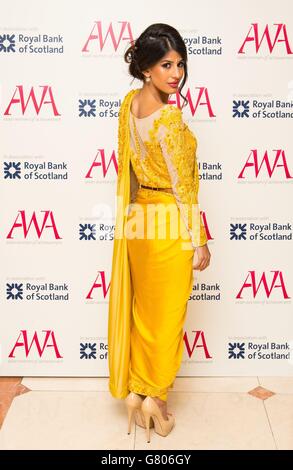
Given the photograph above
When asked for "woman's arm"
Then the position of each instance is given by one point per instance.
(184, 179)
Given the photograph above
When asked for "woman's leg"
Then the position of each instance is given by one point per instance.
(163, 406)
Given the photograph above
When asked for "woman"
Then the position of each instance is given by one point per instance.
(152, 275)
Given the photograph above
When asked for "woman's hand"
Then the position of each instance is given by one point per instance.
(204, 256)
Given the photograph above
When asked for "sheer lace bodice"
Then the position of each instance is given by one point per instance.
(163, 154)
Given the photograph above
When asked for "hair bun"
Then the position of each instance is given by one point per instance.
(133, 52)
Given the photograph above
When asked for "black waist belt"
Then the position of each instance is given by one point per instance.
(150, 187)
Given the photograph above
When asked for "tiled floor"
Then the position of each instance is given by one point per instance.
(211, 413)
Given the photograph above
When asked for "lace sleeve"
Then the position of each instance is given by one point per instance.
(183, 170)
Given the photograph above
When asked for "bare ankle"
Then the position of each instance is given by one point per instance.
(159, 401)
(163, 406)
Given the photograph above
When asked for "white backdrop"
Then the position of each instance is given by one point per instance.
(61, 84)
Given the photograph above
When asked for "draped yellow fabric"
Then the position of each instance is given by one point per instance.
(120, 296)
(162, 280)
(151, 279)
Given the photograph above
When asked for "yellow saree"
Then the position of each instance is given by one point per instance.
(151, 279)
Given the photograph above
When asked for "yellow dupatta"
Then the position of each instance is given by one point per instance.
(121, 293)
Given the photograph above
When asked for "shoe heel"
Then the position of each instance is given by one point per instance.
(130, 412)
(151, 409)
(133, 404)
(147, 418)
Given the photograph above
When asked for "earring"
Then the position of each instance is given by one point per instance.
(148, 79)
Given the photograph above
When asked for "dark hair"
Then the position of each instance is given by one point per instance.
(153, 43)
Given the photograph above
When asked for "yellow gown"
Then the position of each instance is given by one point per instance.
(152, 276)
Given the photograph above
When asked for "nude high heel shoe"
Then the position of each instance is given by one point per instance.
(133, 404)
(150, 409)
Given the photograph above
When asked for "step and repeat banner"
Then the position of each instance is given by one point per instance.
(62, 81)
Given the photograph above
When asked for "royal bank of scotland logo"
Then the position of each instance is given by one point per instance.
(87, 231)
(14, 291)
(88, 350)
(236, 351)
(87, 108)
(240, 108)
(7, 42)
(12, 170)
(237, 231)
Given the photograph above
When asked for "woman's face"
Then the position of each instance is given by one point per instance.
(167, 72)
